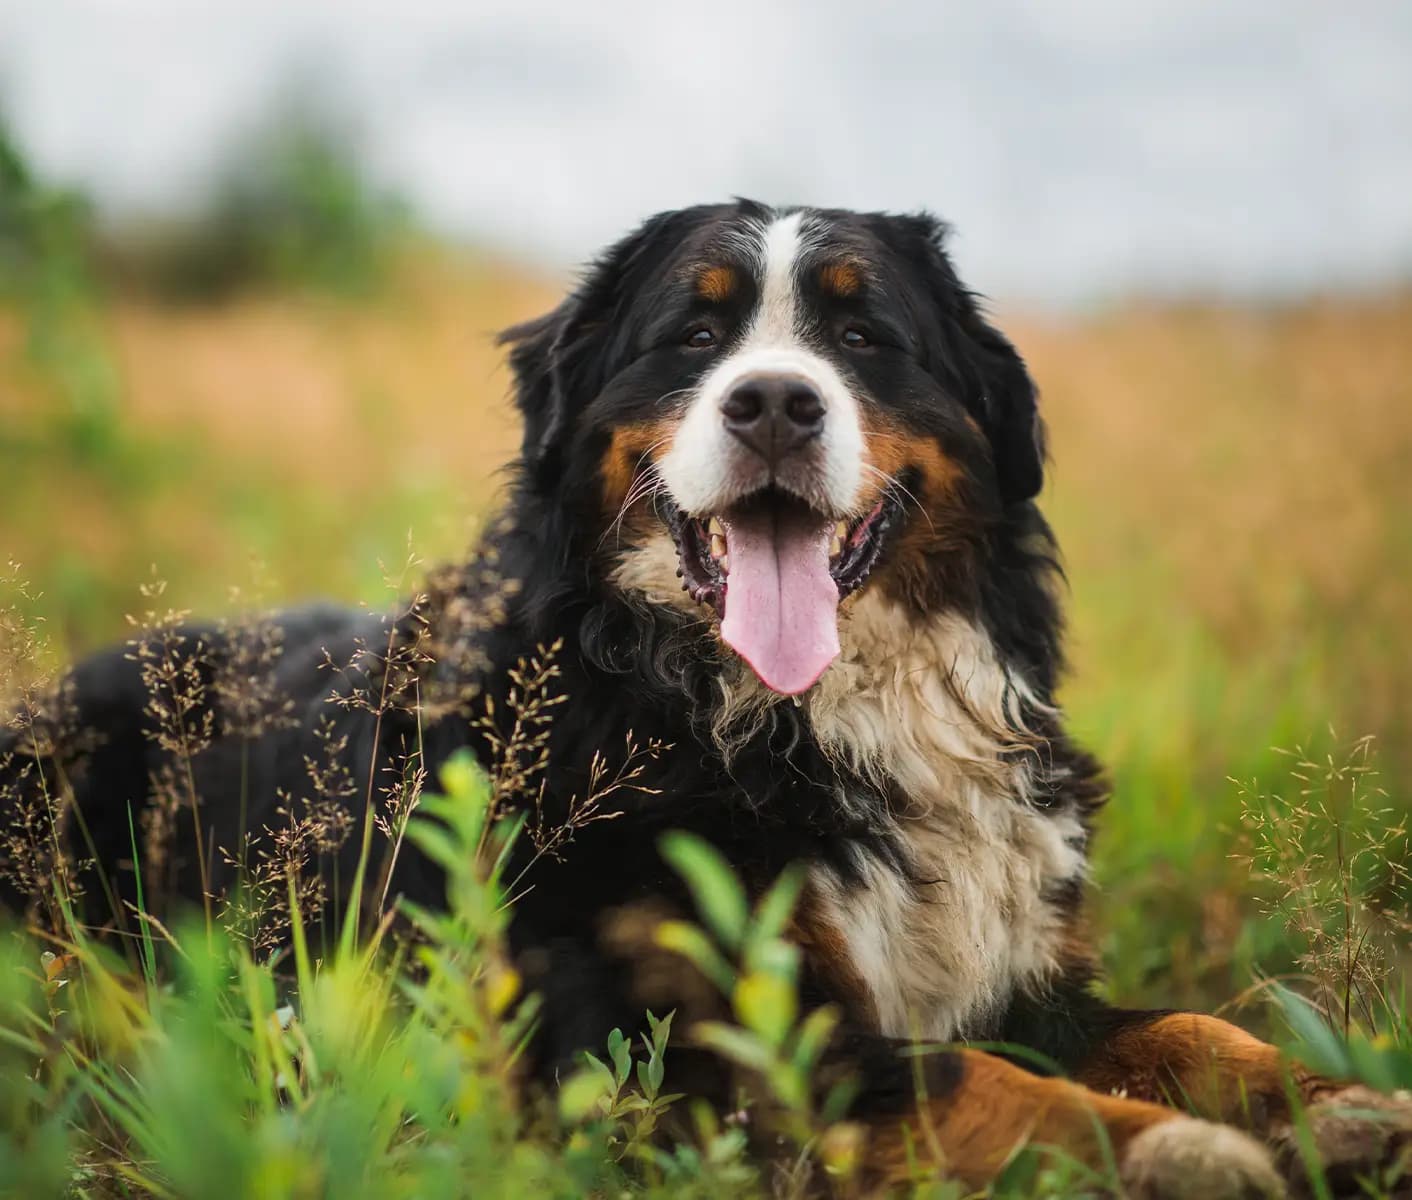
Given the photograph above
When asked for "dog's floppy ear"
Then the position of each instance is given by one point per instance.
(1010, 406)
(538, 394)
(995, 385)
(563, 359)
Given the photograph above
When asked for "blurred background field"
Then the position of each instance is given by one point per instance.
(271, 389)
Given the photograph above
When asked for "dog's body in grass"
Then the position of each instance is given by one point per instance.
(773, 570)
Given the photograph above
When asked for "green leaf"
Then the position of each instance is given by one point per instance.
(789, 1085)
(303, 971)
(766, 1005)
(651, 1073)
(777, 905)
(1316, 1045)
(718, 894)
(694, 945)
(661, 1028)
(433, 840)
(582, 1094)
(840, 1099)
(596, 1064)
(463, 780)
(814, 1033)
(738, 1045)
(774, 957)
(1381, 1063)
(620, 1051)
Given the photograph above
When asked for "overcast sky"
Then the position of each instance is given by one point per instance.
(1082, 148)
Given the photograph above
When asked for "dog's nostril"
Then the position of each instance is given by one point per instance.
(743, 404)
(804, 407)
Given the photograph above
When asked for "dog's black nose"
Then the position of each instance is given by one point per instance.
(773, 414)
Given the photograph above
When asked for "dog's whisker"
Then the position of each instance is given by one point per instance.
(893, 484)
(645, 482)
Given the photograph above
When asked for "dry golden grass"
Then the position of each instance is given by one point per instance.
(1269, 450)
(1257, 465)
(338, 394)
(309, 434)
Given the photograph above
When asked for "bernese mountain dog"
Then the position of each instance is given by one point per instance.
(774, 518)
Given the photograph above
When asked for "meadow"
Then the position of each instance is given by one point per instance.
(1232, 489)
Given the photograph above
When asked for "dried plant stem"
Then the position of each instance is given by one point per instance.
(403, 815)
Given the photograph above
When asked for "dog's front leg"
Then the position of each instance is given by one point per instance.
(1199, 1063)
(1215, 1069)
(975, 1111)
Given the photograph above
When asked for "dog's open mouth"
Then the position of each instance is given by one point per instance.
(775, 570)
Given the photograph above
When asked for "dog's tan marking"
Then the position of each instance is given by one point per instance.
(842, 278)
(716, 282)
(1201, 1063)
(892, 449)
(972, 1132)
(630, 453)
(934, 553)
(655, 977)
(826, 950)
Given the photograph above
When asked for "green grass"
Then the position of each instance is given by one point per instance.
(381, 1070)
(388, 1067)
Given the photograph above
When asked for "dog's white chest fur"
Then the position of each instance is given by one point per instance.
(929, 709)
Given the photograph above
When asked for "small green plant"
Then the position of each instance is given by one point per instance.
(1382, 1061)
(1335, 864)
(745, 953)
(605, 1087)
(380, 1065)
(36, 1108)
(1335, 868)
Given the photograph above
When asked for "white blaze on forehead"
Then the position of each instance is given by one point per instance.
(782, 246)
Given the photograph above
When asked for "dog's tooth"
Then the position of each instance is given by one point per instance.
(714, 527)
(718, 545)
(835, 546)
(840, 530)
(725, 564)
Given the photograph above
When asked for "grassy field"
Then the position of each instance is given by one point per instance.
(1232, 489)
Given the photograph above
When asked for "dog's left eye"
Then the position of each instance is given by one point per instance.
(854, 339)
(700, 338)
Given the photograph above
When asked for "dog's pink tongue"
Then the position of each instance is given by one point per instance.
(781, 603)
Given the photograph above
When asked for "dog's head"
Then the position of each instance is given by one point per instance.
(803, 402)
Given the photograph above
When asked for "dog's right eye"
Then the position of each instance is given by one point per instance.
(699, 339)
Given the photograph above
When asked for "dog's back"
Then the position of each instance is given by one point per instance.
(139, 743)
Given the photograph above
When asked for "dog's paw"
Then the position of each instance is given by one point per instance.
(1359, 1135)
(1185, 1157)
